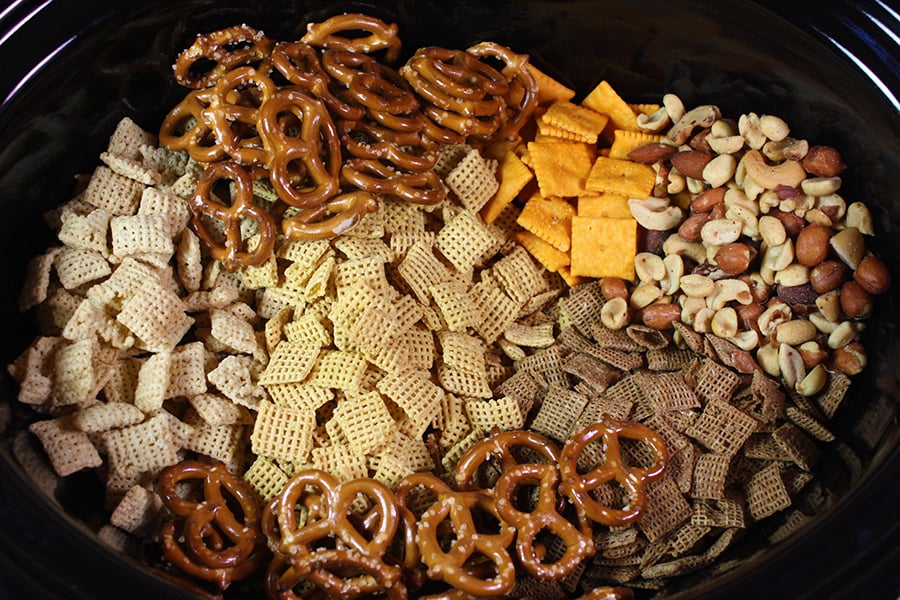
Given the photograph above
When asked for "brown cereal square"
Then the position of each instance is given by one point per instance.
(668, 391)
(715, 382)
(665, 510)
(766, 493)
(832, 396)
(797, 445)
(722, 428)
(709, 477)
(558, 412)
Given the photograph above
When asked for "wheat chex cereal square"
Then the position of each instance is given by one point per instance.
(142, 448)
(218, 410)
(68, 448)
(104, 416)
(113, 192)
(153, 382)
(156, 316)
(235, 332)
(766, 493)
(138, 512)
(723, 428)
(365, 420)
(283, 433)
(76, 267)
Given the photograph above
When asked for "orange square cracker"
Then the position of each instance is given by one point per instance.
(549, 89)
(579, 120)
(603, 247)
(610, 205)
(513, 175)
(548, 218)
(552, 259)
(625, 141)
(618, 176)
(604, 99)
(561, 168)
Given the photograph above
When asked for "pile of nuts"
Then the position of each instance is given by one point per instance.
(747, 237)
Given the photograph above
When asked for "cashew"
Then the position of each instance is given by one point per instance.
(654, 123)
(675, 244)
(749, 127)
(858, 216)
(674, 106)
(747, 217)
(674, 265)
(677, 182)
(719, 170)
(649, 267)
(813, 383)
(820, 186)
(737, 197)
(791, 364)
(650, 216)
(718, 232)
(774, 315)
(774, 127)
(701, 116)
(789, 173)
(702, 322)
(727, 290)
(695, 186)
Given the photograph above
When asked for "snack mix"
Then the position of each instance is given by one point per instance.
(360, 328)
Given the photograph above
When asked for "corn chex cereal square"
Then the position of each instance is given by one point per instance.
(561, 168)
(463, 240)
(414, 392)
(283, 433)
(265, 478)
(143, 448)
(498, 311)
(299, 395)
(464, 383)
(156, 316)
(365, 420)
(455, 304)
(420, 269)
(338, 369)
(473, 180)
(68, 448)
(603, 247)
(340, 461)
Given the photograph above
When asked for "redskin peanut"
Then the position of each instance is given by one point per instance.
(613, 287)
(855, 300)
(873, 275)
(660, 316)
(828, 275)
(734, 258)
(811, 247)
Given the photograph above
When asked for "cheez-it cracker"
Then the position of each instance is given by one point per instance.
(603, 247)
(549, 218)
(618, 176)
(605, 100)
(561, 168)
(604, 205)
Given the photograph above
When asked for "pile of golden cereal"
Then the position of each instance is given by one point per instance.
(556, 283)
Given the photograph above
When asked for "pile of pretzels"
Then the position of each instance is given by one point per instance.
(331, 124)
(517, 504)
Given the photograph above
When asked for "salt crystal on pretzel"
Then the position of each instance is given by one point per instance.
(110, 191)
(67, 447)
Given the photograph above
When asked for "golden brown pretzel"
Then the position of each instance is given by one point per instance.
(376, 177)
(299, 63)
(381, 35)
(233, 254)
(215, 536)
(410, 560)
(185, 128)
(225, 49)
(498, 447)
(545, 516)
(234, 110)
(406, 150)
(331, 218)
(608, 593)
(457, 81)
(521, 99)
(476, 562)
(304, 169)
(579, 487)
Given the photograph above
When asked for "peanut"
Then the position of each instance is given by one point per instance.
(615, 313)
(811, 247)
(690, 229)
(828, 275)
(660, 316)
(855, 300)
(613, 287)
(823, 161)
(733, 258)
(705, 201)
(850, 359)
(873, 275)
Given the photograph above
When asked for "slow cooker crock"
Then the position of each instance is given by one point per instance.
(71, 70)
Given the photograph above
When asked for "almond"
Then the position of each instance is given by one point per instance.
(651, 153)
(690, 229)
(823, 161)
(691, 162)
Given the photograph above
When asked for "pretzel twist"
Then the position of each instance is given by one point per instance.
(234, 111)
(462, 564)
(522, 97)
(219, 545)
(232, 253)
(224, 50)
(409, 151)
(334, 217)
(499, 446)
(545, 516)
(382, 36)
(373, 176)
(578, 488)
(185, 127)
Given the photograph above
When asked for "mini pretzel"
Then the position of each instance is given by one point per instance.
(544, 517)
(332, 218)
(299, 63)
(608, 593)
(521, 100)
(460, 564)
(215, 543)
(381, 35)
(185, 128)
(232, 254)
(303, 168)
(379, 178)
(234, 110)
(578, 487)
(498, 446)
(413, 572)
(225, 49)
(363, 139)
(457, 81)
(341, 574)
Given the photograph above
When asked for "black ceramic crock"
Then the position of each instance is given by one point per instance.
(69, 70)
